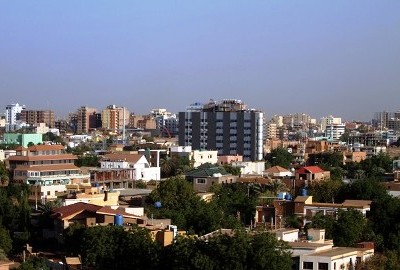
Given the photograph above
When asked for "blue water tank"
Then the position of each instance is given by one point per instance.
(281, 195)
(97, 184)
(157, 204)
(303, 192)
(288, 197)
(118, 220)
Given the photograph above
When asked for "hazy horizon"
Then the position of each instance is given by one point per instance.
(316, 57)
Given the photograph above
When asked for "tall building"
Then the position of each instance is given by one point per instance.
(13, 112)
(330, 120)
(226, 126)
(114, 118)
(34, 117)
(85, 119)
(334, 131)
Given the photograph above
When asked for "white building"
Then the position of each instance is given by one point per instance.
(334, 131)
(12, 116)
(329, 120)
(248, 167)
(203, 156)
(141, 169)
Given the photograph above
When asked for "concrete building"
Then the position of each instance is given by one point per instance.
(330, 120)
(224, 126)
(87, 118)
(114, 118)
(145, 122)
(22, 139)
(34, 117)
(12, 114)
(333, 132)
(166, 122)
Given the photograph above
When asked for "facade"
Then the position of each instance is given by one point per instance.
(22, 139)
(86, 119)
(114, 118)
(34, 117)
(226, 127)
(330, 120)
(47, 168)
(229, 159)
(145, 122)
(333, 132)
(13, 112)
(202, 157)
(166, 122)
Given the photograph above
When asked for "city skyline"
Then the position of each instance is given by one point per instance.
(318, 58)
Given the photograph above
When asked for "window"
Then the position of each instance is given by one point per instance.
(200, 181)
(48, 193)
(322, 266)
(308, 265)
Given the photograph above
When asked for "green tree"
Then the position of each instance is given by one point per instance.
(321, 221)
(34, 263)
(280, 157)
(4, 174)
(87, 160)
(5, 241)
(350, 228)
(325, 191)
(232, 170)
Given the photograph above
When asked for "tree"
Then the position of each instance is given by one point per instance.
(4, 175)
(34, 263)
(5, 241)
(325, 191)
(232, 170)
(321, 221)
(280, 157)
(87, 160)
(350, 228)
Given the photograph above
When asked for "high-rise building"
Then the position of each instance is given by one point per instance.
(226, 126)
(85, 119)
(34, 117)
(330, 120)
(114, 118)
(165, 121)
(13, 112)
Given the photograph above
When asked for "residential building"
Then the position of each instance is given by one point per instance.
(353, 156)
(335, 259)
(13, 112)
(207, 175)
(47, 168)
(34, 117)
(333, 132)
(145, 122)
(200, 157)
(222, 160)
(22, 139)
(278, 172)
(249, 167)
(225, 126)
(115, 118)
(330, 120)
(165, 121)
(87, 119)
(311, 173)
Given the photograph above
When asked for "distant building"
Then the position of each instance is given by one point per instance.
(330, 120)
(22, 139)
(13, 112)
(334, 132)
(34, 117)
(225, 126)
(114, 118)
(87, 119)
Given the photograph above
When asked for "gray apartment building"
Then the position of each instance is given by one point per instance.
(226, 126)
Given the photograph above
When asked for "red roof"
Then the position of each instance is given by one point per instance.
(310, 169)
(76, 208)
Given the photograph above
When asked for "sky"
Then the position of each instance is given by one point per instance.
(318, 57)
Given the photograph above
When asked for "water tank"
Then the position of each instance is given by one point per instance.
(118, 220)
(288, 197)
(157, 204)
(281, 195)
(303, 192)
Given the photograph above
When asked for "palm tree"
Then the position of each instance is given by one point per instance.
(276, 185)
(168, 167)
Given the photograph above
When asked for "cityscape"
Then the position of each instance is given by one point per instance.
(199, 135)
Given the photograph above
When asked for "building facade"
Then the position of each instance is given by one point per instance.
(86, 119)
(13, 112)
(114, 118)
(34, 117)
(226, 127)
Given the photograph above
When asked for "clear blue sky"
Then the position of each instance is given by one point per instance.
(319, 57)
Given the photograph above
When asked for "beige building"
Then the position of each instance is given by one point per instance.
(113, 118)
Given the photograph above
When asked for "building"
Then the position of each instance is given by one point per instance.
(86, 119)
(47, 168)
(34, 117)
(22, 139)
(13, 112)
(114, 118)
(166, 122)
(330, 120)
(145, 122)
(333, 132)
(225, 126)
